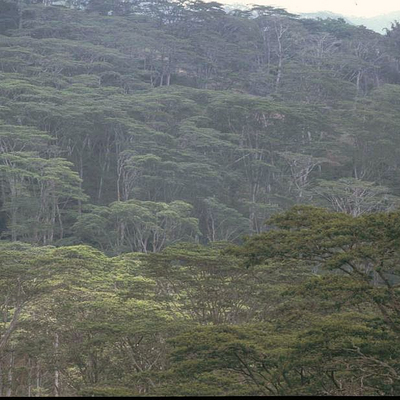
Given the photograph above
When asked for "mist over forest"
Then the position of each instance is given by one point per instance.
(197, 200)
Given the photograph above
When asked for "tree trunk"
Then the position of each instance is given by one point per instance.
(56, 370)
(10, 374)
(19, 6)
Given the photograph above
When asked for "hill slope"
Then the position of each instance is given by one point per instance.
(187, 122)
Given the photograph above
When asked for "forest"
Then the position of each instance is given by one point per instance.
(197, 200)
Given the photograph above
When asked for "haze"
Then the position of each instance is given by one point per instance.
(360, 8)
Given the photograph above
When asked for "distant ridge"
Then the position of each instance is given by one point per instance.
(377, 23)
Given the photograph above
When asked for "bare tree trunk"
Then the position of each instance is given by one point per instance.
(1, 378)
(37, 379)
(56, 370)
(10, 329)
(80, 183)
(19, 6)
(10, 374)
(14, 210)
(53, 215)
(279, 31)
(29, 377)
(359, 74)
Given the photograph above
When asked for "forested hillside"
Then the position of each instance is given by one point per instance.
(197, 201)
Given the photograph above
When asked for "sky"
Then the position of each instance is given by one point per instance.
(359, 8)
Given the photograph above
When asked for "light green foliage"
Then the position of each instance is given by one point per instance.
(357, 294)
(310, 307)
(162, 133)
(81, 313)
(166, 102)
(137, 225)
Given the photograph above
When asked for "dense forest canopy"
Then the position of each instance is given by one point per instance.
(143, 147)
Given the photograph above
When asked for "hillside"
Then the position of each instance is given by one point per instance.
(197, 200)
(378, 23)
(216, 120)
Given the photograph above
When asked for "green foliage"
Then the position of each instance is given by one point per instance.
(137, 225)
(166, 102)
(315, 312)
(162, 133)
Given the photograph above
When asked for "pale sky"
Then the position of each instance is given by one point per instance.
(359, 8)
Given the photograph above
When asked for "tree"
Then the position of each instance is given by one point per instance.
(364, 248)
(355, 196)
(223, 223)
(137, 225)
(21, 284)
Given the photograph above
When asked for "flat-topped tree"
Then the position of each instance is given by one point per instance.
(365, 250)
